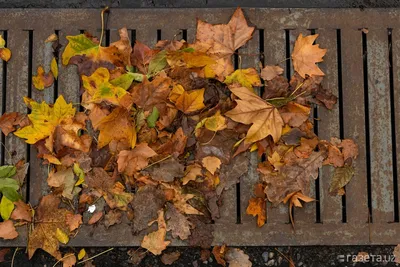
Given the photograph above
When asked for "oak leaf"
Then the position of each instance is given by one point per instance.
(166, 171)
(190, 101)
(245, 77)
(45, 119)
(306, 54)
(349, 149)
(257, 208)
(251, 109)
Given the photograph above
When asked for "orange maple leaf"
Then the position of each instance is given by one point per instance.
(306, 54)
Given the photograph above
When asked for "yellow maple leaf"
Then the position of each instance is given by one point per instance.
(117, 53)
(306, 54)
(190, 101)
(215, 123)
(42, 79)
(155, 241)
(44, 119)
(100, 89)
(5, 53)
(257, 207)
(251, 109)
(245, 77)
(117, 126)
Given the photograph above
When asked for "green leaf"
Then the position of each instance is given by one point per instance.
(80, 173)
(6, 208)
(188, 49)
(8, 183)
(78, 45)
(151, 120)
(158, 63)
(11, 194)
(7, 171)
(125, 80)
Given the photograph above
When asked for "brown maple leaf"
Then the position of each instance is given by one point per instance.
(132, 161)
(222, 40)
(306, 54)
(8, 121)
(147, 95)
(251, 109)
(48, 218)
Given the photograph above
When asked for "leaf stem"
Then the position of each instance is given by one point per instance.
(91, 258)
(13, 257)
(154, 163)
(102, 23)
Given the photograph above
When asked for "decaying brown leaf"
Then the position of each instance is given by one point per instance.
(170, 258)
(257, 207)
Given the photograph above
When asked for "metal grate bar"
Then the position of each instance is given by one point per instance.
(366, 84)
(329, 125)
(380, 126)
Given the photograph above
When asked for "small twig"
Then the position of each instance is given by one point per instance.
(206, 143)
(91, 258)
(284, 60)
(154, 163)
(13, 257)
(60, 260)
(297, 88)
(283, 255)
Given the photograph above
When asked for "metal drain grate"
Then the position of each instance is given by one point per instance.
(363, 69)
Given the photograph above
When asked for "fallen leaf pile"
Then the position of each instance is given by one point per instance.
(163, 133)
